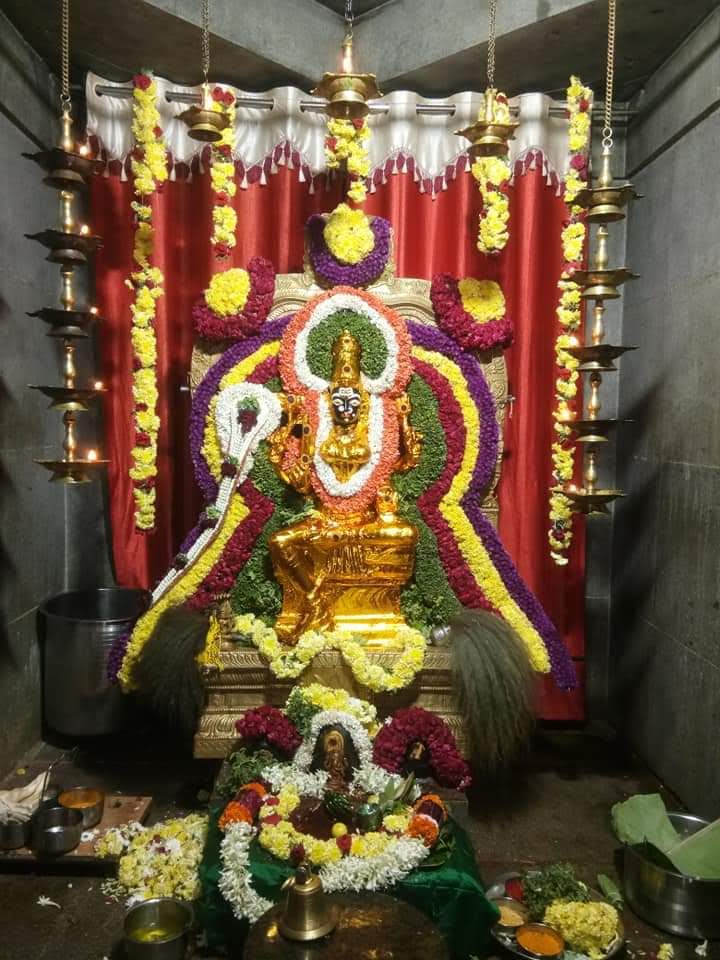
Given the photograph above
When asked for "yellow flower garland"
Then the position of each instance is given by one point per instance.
(184, 587)
(569, 315)
(222, 181)
(471, 546)
(492, 175)
(348, 234)
(289, 662)
(149, 169)
(483, 299)
(346, 144)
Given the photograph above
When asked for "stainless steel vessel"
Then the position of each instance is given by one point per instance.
(55, 831)
(78, 629)
(158, 929)
(687, 906)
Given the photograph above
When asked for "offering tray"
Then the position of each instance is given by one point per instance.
(507, 940)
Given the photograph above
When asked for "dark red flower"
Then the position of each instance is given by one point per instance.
(583, 105)
(218, 94)
(246, 323)
(297, 854)
(273, 820)
(579, 162)
(271, 725)
(331, 143)
(142, 439)
(222, 198)
(229, 98)
(344, 843)
(358, 123)
(142, 81)
(157, 133)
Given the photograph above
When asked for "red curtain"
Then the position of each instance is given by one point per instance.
(430, 236)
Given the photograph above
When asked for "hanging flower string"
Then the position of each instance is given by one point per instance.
(346, 145)
(569, 315)
(149, 170)
(222, 178)
(492, 175)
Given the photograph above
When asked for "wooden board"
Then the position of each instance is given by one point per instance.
(119, 809)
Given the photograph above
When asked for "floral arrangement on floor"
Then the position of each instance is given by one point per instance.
(348, 248)
(236, 302)
(471, 311)
(346, 146)
(414, 725)
(149, 172)
(569, 315)
(297, 813)
(222, 178)
(289, 662)
(157, 861)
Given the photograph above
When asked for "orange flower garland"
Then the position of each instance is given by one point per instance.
(569, 315)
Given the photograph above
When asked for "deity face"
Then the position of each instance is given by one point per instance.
(334, 744)
(346, 403)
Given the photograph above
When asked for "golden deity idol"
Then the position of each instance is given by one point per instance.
(338, 569)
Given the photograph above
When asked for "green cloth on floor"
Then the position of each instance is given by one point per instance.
(451, 894)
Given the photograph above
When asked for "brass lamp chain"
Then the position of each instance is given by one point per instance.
(607, 133)
(349, 19)
(491, 44)
(65, 53)
(205, 39)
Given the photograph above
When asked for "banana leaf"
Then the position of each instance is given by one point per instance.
(643, 820)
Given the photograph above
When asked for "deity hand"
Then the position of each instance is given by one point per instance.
(294, 427)
(411, 440)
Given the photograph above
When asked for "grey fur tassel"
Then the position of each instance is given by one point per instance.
(166, 676)
(495, 684)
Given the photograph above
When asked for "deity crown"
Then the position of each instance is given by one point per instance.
(346, 361)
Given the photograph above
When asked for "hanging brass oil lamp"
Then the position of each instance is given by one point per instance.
(205, 123)
(347, 93)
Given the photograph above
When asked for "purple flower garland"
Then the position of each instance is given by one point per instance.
(562, 667)
(332, 272)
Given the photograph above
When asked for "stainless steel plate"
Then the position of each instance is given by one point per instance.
(507, 940)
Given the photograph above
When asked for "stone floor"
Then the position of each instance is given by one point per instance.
(558, 809)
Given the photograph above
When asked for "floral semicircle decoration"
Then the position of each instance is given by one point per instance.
(347, 247)
(236, 302)
(459, 558)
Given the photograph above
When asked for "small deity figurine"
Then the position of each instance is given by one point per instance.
(339, 568)
(334, 752)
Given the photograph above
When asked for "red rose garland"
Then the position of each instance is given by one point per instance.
(454, 319)
(248, 321)
(270, 724)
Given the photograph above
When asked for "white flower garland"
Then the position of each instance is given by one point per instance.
(326, 308)
(332, 718)
(307, 784)
(234, 442)
(374, 873)
(326, 474)
(235, 882)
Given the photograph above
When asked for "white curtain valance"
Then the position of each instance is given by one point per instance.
(402, 140)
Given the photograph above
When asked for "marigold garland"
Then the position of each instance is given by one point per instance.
(346, 145)
(149, 170)
(222, 178)
(492, 175)
(348, 235)
(569, 315)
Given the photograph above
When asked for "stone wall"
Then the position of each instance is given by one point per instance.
(665, 654)
(38, 553)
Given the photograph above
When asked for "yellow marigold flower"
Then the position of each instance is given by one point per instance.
(588, 928)
(348, 234)
(228, 292)
(483, 299)
(357, 192)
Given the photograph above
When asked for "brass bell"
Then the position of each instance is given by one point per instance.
(308, 914)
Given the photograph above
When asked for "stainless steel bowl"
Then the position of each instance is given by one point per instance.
(55, 831)
(671, 901)
(14, 834)
(88, 801)
(158, 929)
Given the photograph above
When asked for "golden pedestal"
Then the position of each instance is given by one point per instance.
(246, 681)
